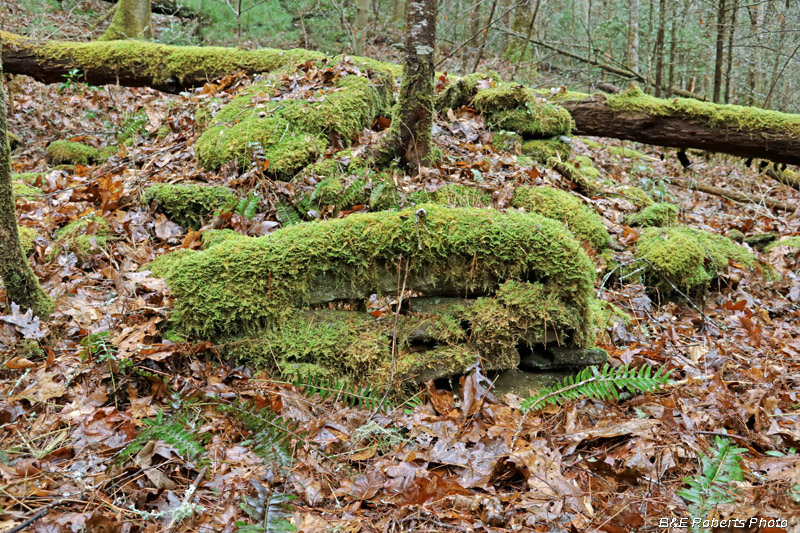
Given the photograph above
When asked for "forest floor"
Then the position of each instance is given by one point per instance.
(105, 425)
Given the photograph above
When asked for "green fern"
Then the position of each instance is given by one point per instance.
(714, 486)
(271, 434)
(287, 213)
(179, 434)
(605, 383)
(271, 510)
(352, 195)
(246, 207)
(368, 397)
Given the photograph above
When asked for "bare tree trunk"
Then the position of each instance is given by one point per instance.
(662, 22)
(132, 20)
(729, 66)
(410, 135)
(22, 286)
(632, 54)
(398, 10)
(362, 18)
(474, 27)
(673, 45)
(720, 49)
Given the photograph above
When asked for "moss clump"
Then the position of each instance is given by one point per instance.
(460, 91)
(621, 151)
(580, 171)
(27, 177)
(22, 189)
(191, 203)
(790, 242)
(735, 235)
(84, 236)
(289, 133)
(688, 257)
(637, 196)
(454, 195)
(715, 115)
(543, 149)
(566, 208)
(71, 153)
(27, 239)
(658, 215)
(519, 109)
(162, 264)
(250, 283)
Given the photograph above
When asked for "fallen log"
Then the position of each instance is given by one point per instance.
(633, 115)
(686, 123)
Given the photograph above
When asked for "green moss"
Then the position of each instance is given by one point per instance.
(559, 97)
(566, 208)
(189, 204)
(659, 215)
(253, 282)
(688, 257)
(519, 109)
(21, 189)
(715, 115)
(460, 91)
(621, 151)
(454, 195)
(66, 168)
(71, 153)
(580, 171)
(288, 133)
(735, 235)
(163, 264)
(27, 238)
(219, 236)
(790, 242)
(83, 236)
(543, 149)
(28, 177)
(637, 196)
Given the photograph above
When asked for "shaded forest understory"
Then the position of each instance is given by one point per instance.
(226, 263)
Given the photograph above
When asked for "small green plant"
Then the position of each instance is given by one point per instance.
(71, 80)
(605, 383)
(269, 509)
(247, 206)
(270, 435)
(657, 188)
(367, 397)
(98, 347)
(131, 127)
(715, 485)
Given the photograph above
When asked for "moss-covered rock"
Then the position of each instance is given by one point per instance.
(27, 238)
(637, 196)
(735, 235)
(579, 170)
(508, 141)
(460, 91)
(72, 153)
(454, 195)
(519, 109)
(189, 204)
(760, 241)
(658, 215)
(289, 133)
(83, 237)
(244, 283)
(560, 205)
(688, 257)
(543, 149)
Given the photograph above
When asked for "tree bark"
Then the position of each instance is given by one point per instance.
(720, 48)
(132, 20)
(729, 65)
(662, 23)
(632, 53)
(360, 27)
(21, 284)
(595, 116)
(410, 135)
(170, 8)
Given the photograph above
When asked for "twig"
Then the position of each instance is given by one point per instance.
(188, 496)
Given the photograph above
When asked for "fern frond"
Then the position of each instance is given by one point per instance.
(271, 510)
(247, 206)
(604, 384)
(178, 434)
(713, 487)
(271, 434)
(367, 397)
(287, 213)
(353, 194)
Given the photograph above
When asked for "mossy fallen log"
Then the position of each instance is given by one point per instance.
(511, 282)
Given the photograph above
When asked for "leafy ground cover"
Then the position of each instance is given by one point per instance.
(110, 418)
